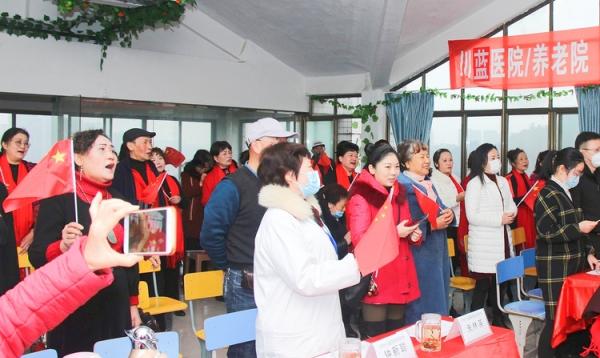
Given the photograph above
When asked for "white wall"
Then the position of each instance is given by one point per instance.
(206, 64)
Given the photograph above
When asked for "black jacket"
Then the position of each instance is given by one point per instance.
(586, 195)
(124, 184)
(9, 266)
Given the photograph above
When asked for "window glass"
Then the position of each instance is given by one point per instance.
(570, 100)
(569, 14)
(481, 130)
(439, 78)
(349, 129)
(43, 133)
(194, 136)
(350, 101)
(167, 135)
(120, 126)
(321, 108)
(477, 91)
(5, 122)
(521, 130)
(320, 131)
(568, 129)
(445, 133)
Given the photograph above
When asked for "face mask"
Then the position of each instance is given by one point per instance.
(495, 166)
(572, 181)
(596, 160)
(312, 186)
(338, 214)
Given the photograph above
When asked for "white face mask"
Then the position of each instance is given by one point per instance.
(596, 160)
(494, 166)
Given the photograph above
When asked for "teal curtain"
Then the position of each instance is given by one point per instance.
(589, 109)
(410, 115)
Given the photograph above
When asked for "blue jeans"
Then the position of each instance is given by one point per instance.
(238, 298)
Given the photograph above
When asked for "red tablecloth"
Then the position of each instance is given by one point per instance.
(574, 297)
(500, 344)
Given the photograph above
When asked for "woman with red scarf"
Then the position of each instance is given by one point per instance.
(171, 191)
(114, 308)
(18, 225)
(519, 183)
(223, 166)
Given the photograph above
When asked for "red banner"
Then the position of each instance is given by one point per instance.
(548, 59)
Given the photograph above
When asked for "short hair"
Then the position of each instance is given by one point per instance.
(569, 157)
(158, 151)
(479, 159)
(280, 159)
(407, 150)
(344, 147)
(584, 137)
(513, 154)
(438, 153)
(219, 146)
(10, 133)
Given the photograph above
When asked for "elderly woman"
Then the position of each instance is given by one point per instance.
(431, 257)
(114, 308)
(520, 183)
(297, 273)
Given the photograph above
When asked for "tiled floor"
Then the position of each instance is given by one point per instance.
(189, 346)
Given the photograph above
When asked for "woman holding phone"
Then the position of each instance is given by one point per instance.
(114, 308)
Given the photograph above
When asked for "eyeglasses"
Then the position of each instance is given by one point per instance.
(21, 144)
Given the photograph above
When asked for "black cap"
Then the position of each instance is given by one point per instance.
(132, 134)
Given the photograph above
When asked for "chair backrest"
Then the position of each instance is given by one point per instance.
(23, 259)
(146, 267)
(230, 328)
(451, 252)
(46, 353)
(466, 242)
(205, 284)
(509, 269)
(168, 342)
(528, 257)
(518, 236)
(143, 295)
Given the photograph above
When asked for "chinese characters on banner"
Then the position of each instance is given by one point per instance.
(548, 59)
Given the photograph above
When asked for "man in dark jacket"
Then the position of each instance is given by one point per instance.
(586, 195)
(231, 219)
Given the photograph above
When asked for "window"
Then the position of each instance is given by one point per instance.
(194, 136)
(445, 133)
(349, 129)
(471, 104)
(5, 121)
(568, 129)
(572, 15)
(120, 126)
(483, 130)
(167, 135)
(86, 123)
(521, 130)
(439, 78)
(320, 131)
(43, 133)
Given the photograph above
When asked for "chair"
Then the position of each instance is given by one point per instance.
(199, 257)
(157, 304)
(462, 283)
(520, 313)
(518, 237)
(24, 262)
(230, 328)
(197, 286)
(529, 263)
(168, 342)
(46, 353)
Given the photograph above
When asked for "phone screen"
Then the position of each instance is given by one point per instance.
(150, 231)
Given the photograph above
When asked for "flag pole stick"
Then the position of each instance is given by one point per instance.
(74, 182)
(527, 193)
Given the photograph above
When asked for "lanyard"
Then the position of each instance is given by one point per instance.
(331, 239)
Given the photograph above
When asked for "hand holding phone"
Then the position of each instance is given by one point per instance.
(151, 232)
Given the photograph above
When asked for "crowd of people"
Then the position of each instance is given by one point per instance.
(283, 223)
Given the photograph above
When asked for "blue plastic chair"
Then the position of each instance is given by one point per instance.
(46, 353)
(230, 328)
(168, 342)
(529, 261)
(520, 313)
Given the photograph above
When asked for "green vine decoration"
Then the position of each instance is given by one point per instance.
(82, 21)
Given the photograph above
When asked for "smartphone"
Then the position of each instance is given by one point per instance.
(150, 232)
(420, 220)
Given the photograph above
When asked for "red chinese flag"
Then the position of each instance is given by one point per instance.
(533, 194)
(428, 206)
(151, 191)
(173, 157)
(379, 244)
(52, 176)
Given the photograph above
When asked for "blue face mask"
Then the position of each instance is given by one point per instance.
(572, 181)
(312, 186)
(337, 214)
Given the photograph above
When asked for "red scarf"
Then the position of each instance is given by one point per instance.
(22, 217)
(342, 176)
(172, 260)
(459, 189)
(87, 190)
(140, 184)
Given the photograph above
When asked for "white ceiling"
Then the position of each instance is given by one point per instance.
(339, 37)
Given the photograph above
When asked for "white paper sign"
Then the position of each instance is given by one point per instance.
(398, 345)
(471, 327)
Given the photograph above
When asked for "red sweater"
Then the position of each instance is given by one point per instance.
(46, 297)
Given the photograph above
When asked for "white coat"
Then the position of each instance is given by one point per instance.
(484, 209)
(447, 192)
(297, 276)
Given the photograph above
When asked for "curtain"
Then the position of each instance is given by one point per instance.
(410, 116)
(589, 109)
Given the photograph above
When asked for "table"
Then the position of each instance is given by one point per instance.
(579, 300)
(500, 344)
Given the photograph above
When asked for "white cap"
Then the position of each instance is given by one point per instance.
(266, 127)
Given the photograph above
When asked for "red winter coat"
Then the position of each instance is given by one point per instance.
(214, 177)
(397, 281)
(46, 298)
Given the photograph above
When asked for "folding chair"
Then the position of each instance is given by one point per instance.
(197, 286)
(518, 237)
(24, 262)
(168, 342)
(46, 353)
(157, 304)
(230, 328)
(529, 263)
(462, 283)
(520, 313)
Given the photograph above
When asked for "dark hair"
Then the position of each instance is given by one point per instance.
(584, 137)
(538, 162)
(407, 149)
(83, 141)
(438, 153)
(244, 156)
(10, 133)
(330, 194)
(377, 152)
(279, 159)
(479, 159)
(513, 154)
(219, 146)
(123, 152)
(569, 157)
(157, 150)
(344, 147)
(201, 158)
